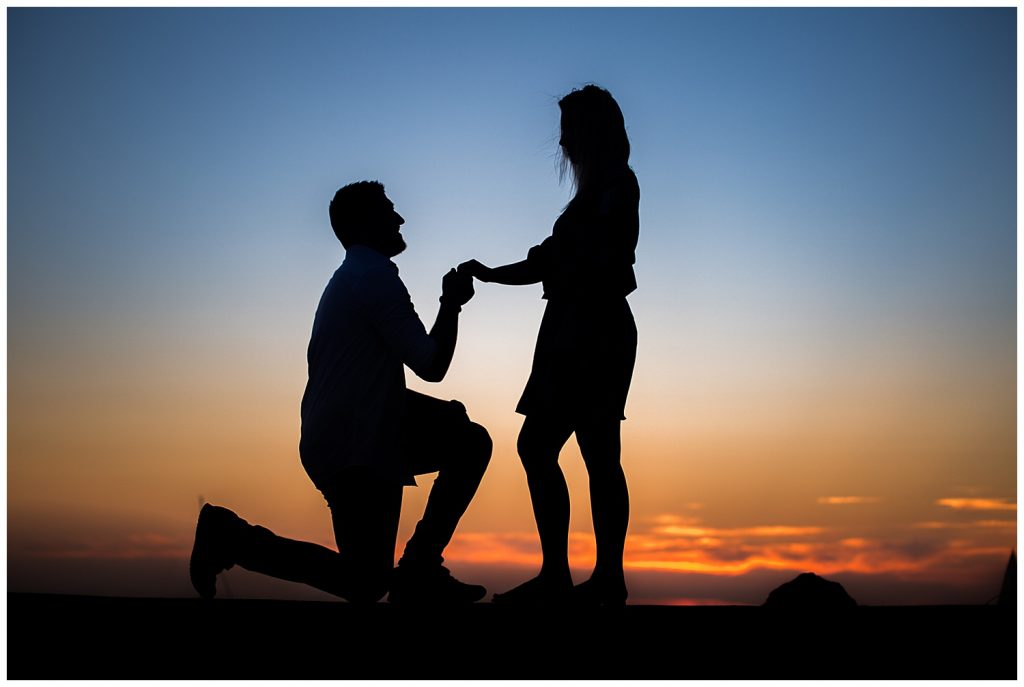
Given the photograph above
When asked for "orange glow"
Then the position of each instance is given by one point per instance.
(934, 551)
(740, 550)
(846, 500)
(977, 504)
(992, 524)
(766, 531)
(856, 543)
(695, 602)
(997, 524)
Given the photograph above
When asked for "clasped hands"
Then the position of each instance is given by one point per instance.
(457, 284)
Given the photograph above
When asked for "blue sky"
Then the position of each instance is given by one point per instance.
(177, 138)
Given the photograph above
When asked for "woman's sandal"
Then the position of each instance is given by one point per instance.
(536, 592)
(593, 594)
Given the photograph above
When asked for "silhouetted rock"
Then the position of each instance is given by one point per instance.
(810, 591)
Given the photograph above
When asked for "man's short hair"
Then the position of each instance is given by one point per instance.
(352, 206)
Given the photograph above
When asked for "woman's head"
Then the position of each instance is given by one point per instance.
(593, 138)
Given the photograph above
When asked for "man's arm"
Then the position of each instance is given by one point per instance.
(456, 290)
(395, 320)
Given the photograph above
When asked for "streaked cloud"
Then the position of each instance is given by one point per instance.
(663, 550)
(676, 544)
(978, 504)
(846, 500)
(668, 547)
(693, 529)
(987, 524)
(670, 519)
(997, 524)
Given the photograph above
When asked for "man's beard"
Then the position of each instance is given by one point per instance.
(395, 246)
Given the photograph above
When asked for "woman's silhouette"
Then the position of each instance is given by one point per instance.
(585, 350)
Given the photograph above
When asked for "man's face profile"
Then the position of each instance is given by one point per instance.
(383, 227)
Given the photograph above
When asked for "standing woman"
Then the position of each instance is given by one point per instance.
(585, 350)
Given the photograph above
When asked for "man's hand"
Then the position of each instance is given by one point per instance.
(456, 288)
(477, 269)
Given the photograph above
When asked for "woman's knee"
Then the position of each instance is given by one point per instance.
(534, 453)
(600, 445)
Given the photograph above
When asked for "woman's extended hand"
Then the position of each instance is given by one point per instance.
(476, 269)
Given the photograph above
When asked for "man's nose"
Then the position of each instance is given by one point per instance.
(401, 220)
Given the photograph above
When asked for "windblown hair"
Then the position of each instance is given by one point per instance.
(351, 207)
(593, 125)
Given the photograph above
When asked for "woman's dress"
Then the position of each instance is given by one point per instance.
(586, 347)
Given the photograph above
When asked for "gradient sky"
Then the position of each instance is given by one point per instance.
(826, 374)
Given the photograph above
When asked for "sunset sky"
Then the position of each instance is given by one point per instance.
(826, 374)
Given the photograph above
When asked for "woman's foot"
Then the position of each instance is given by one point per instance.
(540, 591)
(599, 592)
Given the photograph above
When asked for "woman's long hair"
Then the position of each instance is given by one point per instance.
(594, 144)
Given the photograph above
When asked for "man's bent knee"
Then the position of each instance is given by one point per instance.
(480, 441)
(478, 446)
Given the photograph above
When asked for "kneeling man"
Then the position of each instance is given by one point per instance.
(365, 436)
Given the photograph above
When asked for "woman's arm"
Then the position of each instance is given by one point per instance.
(516, 274)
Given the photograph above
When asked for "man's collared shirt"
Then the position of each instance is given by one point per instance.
(364, 331)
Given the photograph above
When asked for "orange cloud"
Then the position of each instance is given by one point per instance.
(846, 500)
(660, 551)
(977, 504)
(851, 555)
(998, 524)
(671, 543)
(514, 548)
(737, 532)
(988, 524)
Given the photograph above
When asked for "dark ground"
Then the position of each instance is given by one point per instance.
(57, 637)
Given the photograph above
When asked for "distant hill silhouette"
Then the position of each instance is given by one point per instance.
(811, 592)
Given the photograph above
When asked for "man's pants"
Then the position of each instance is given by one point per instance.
(437, 436)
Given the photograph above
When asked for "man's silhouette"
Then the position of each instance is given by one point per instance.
(364, 435)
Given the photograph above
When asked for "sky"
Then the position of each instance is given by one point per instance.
(826, 372)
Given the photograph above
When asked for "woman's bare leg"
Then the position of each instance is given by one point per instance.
(540, 442)
(601, 446)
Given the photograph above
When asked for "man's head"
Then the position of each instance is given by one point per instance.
(361, 214)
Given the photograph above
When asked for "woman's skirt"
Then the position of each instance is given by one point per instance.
(583, 362)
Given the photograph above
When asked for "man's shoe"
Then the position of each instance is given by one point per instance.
(431, 586)
(211, 552)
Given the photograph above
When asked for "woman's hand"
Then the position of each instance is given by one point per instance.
(476, 269)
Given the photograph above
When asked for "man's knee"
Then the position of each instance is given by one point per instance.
(478, 446)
